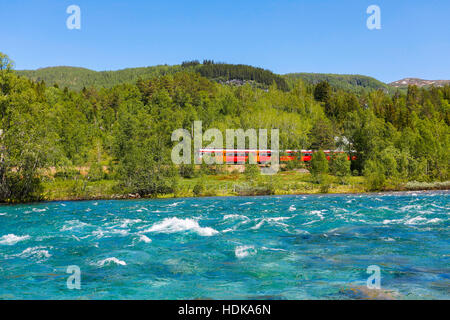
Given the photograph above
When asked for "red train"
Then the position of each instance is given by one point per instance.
(264, 156)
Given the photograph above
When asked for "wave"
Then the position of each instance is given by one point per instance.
(244, 251)
(271, 221)
(11, 239)
(101, 233)
(175, 204)
(126, 222)
(74, 224)
(274, 249)
(310, 222)
(235, 216)
(35, 252)
(419, 220)
(109, 261)
(145, 239)
(173, 225)
(318, 213)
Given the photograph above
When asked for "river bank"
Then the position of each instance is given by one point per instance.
(284, 183)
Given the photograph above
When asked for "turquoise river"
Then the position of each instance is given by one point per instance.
(275, 247)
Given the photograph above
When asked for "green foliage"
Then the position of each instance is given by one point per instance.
(322, 135)
(124, 120)
(96, 172)
(79, 78)
(187, 171)
(322, 92)
(223, 71)
(325, 183)
(6, 64)
(349, 83)
(252, 171)
(340, 166)
(67, 173)
(21, 184)
(295, 164)
(375, 175)
(319, 163)
(199, 188)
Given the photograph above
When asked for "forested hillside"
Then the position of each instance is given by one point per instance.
(353, 83)
(223, 71)
(79, 78)
(123, 133)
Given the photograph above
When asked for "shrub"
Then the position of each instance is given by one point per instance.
(374, 173)
(252, 171)
(67, 174)
(187, 171)
(96, 172)
(294, 164)
(319, 163)
(325, 187)
(340, 166)
(198, 190)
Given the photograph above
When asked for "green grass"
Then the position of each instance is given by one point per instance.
(238, 184)
(283, 183)
(59, 189)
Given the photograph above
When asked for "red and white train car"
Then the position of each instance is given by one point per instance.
(241, 156)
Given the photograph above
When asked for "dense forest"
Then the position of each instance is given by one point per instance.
(78, 78)
(353, 83)
(222, 71)
(123, 133)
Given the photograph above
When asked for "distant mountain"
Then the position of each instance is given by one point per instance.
(77, 78)
(418, 82)
(230, 74)
(355, 83)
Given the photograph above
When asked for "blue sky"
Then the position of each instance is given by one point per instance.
(281, 35)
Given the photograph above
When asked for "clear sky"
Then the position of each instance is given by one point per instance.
(284, 36)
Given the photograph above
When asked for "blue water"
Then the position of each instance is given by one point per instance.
(290, 247)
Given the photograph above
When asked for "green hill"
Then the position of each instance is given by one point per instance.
(76, 78)
(354, 83)
(226, 72)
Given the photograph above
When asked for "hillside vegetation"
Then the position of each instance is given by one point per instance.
(118, 139)
(78, 78)
(353, 83)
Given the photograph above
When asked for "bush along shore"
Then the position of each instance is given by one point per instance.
(115, 140)
(234, 183)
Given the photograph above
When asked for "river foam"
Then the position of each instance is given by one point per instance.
(244, 251)
(174, 225)
(12, 239)
(110, 261)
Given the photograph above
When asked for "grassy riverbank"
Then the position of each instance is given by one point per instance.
(233, 184)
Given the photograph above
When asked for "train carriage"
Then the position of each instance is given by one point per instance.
(242, 156)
